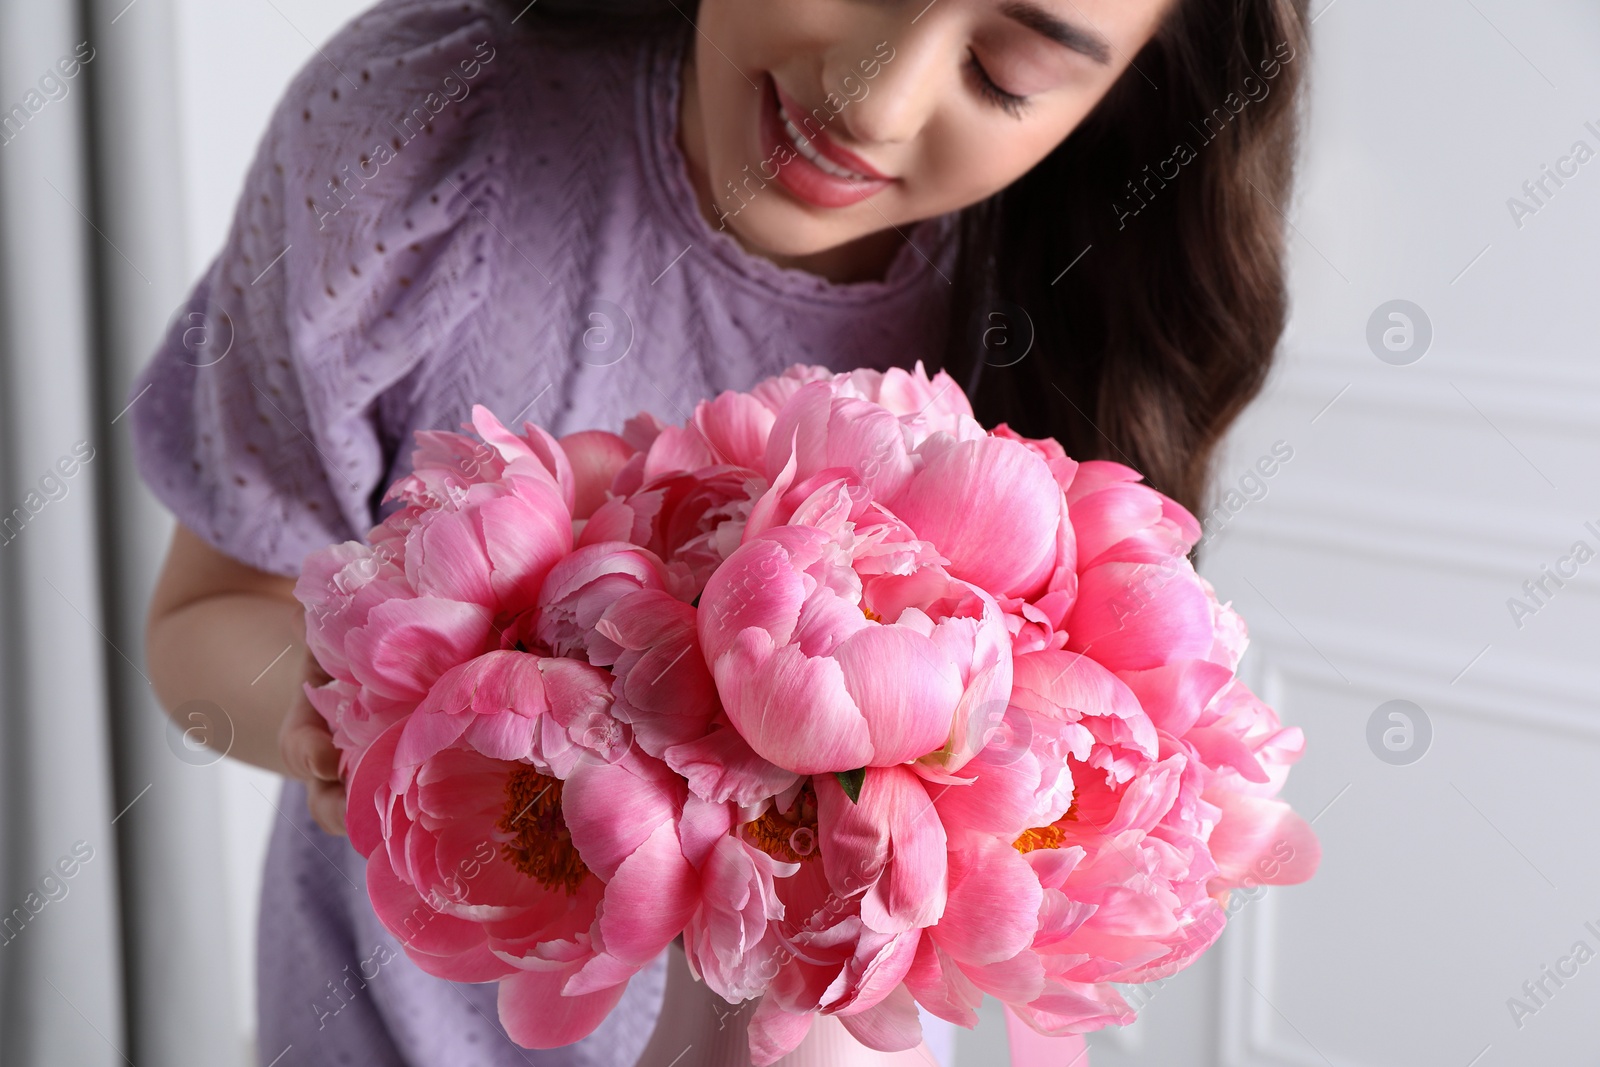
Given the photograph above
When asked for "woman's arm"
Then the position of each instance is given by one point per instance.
(222, 631)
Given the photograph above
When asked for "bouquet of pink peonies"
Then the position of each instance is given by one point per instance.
(870, 705)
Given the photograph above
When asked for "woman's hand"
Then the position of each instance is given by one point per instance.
(309, 754)
(224, 632)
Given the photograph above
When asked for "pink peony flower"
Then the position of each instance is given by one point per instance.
(872, 876)
(844, 645)
(732, 941)
(1139, 601)
(924, 405)
(662, 687)
(489, 820)
(579, 590)
(872, 706)
(482, 524)
(691, 521)
(1168, 811)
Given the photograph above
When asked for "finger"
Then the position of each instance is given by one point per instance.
(314, 672)
(323, 756)
(326, 801)
(307, 745)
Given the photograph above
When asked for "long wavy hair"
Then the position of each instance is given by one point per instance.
(1144, 257)
(1139, 266)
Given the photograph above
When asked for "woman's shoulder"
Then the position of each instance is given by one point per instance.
(403, 60)
(400, 124)
(387, 155)
(402, 71)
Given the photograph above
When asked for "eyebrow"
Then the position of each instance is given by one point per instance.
(1062, 33)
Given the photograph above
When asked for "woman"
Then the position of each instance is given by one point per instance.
(1072, 205)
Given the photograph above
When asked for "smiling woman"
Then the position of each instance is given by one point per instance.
(739, 187)
(978, 93)
(1032, 120)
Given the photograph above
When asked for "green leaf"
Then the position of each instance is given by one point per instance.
(851, 782)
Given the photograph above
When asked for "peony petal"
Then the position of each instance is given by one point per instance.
(442, 945)
(596, 456)
(1073, 686)
(677, 449)
(407, 645)
(799, 433)
(1261, 842)
(1015, 981)
(993, 907)
(891, 1025)
(993, 509)
(662, 685)
(535, 1014)
(1111, 516)
(722, 767)
(506, 736)
(1075, 1008)
(870, 441)
(735, 427)
(648, 900)
(904, 686)
(1021, 779)
(761, 685)
(755, 587)
(890, 842)
(1219, 748)
(594, 795)
(524, 536)
(1093, 475)
(1174, 694)
(774, 1033)
(1140, 615)
(445, 558)
(941, 987)
(367, 791)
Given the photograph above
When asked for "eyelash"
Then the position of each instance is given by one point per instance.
(1010, 103)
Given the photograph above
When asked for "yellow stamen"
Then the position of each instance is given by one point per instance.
(1046, 836)
(542, 846)
(1038, 837)
(789, 836)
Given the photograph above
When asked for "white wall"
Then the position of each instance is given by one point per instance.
(1380, 562)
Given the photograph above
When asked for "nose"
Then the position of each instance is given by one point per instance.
(899, 74)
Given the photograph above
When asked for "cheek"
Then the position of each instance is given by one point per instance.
(729, 104)
(973, 158)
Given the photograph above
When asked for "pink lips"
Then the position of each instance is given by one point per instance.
(805, 180)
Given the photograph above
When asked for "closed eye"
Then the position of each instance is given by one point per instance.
(1011, 103)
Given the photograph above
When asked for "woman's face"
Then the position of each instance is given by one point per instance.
(818, 122)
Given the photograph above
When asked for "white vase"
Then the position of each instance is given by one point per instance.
(697, 1028)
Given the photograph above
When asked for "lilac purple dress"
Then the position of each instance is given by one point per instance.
(454, 206)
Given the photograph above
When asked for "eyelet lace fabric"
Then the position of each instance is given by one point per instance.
(447, 209)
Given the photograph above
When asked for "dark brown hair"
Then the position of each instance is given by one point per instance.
(1149, 347)
(1165, 204)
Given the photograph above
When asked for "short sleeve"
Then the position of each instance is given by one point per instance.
(257, 420)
